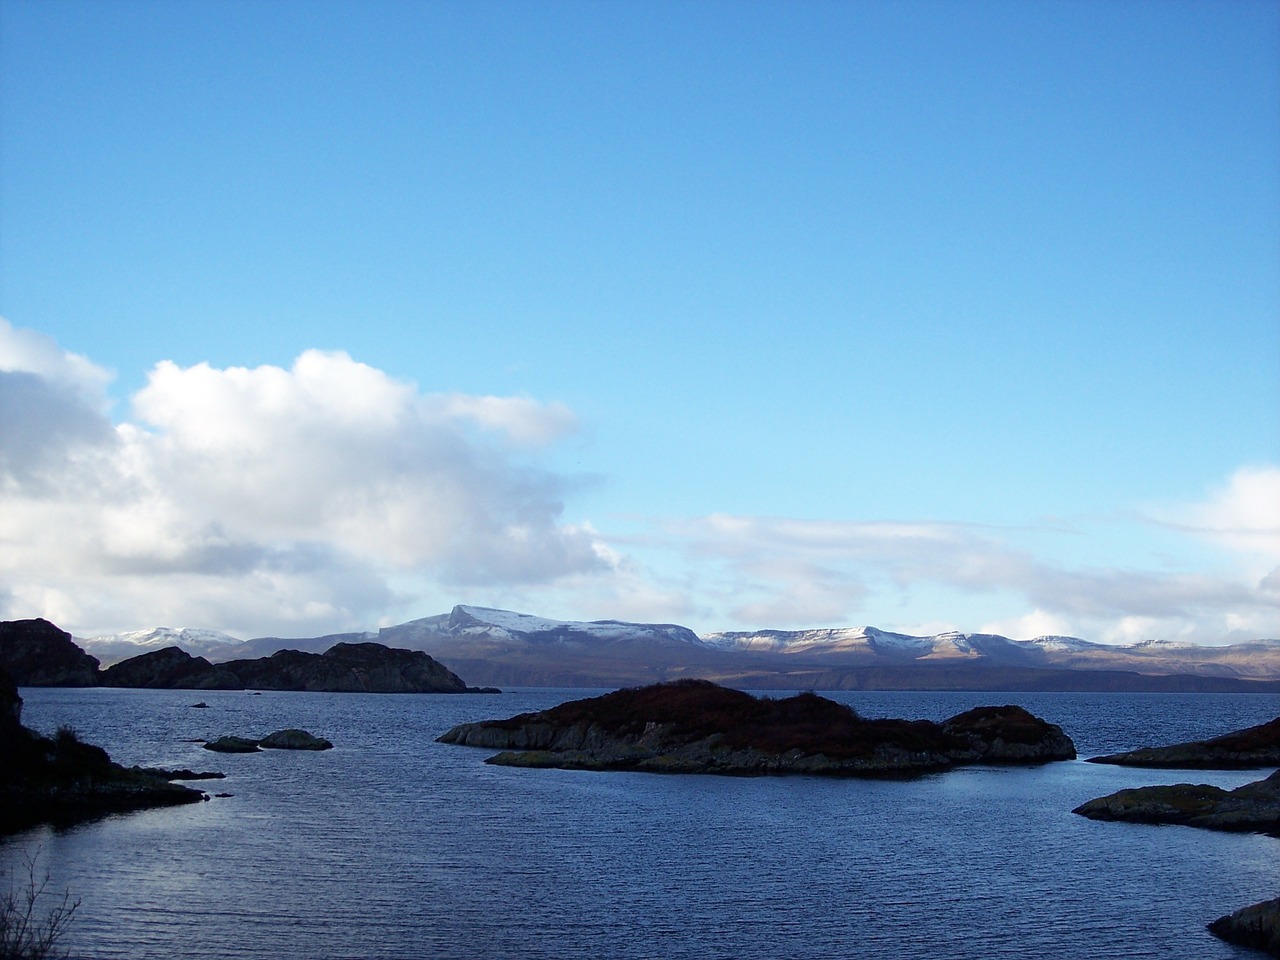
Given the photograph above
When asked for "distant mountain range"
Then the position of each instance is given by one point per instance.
(501, 648)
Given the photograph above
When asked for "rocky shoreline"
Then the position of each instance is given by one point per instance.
(694, 726)
(61, 780)
(1252, 808)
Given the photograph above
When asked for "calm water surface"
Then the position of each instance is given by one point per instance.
(393, 846)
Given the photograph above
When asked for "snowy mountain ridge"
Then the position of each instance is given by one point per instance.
(503, 646)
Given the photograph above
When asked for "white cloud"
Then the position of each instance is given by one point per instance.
(1243, 515)
(785, 572)
(267, 499)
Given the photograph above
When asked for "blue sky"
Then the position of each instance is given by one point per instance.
(924, 315)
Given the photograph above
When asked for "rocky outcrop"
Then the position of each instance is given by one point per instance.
(694, 726)
(1241, 750)
(170, 669)
(1257, 926)
(1255, 807)
(62, 781)
(35, 653)
(291, 739)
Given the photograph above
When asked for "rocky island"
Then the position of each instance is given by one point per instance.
(695, 726)
(1240, 750)
(63, 781)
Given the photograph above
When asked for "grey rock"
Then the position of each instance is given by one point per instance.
(294, 740)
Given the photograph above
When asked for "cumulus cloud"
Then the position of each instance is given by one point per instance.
(294, 497)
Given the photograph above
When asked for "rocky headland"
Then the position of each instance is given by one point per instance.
(36, 653)
(1240, 750)
(1254, 807)
(694, 726)
(1257, 926)
(62, 781)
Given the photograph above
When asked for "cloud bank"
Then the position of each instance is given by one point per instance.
(330, 496)
(295, 497)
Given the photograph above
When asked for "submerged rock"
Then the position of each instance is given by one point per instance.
(694, 726)
(1254, 807)
(232, 745)
(1257, 926)
(1240, 750)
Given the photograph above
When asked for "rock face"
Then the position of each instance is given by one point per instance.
(694, 726)
(1255, 807)
(35, 653)
(1241, 750)
(170, 669)
(1257, 926)
(62, 781)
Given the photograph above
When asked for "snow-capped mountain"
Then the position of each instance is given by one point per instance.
(113, 647)
(501, 647)
(484, 626)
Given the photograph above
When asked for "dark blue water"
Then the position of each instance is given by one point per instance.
(394, 846)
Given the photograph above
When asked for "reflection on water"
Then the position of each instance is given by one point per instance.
(393, 846)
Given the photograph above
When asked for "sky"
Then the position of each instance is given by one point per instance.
(926, 315)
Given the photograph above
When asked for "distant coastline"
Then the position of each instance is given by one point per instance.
(498, 648)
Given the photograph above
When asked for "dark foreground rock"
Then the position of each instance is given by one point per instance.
(1255, 807)
(694, 726)
(35, 653)
(1240, 750)
(1257, 926)
(61, 781)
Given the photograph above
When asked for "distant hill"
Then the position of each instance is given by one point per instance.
(502, 648)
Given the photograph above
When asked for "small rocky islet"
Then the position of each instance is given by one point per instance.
(1239, 750)
(289, 739)
(695, 726)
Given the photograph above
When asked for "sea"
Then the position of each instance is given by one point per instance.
(392, 845)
